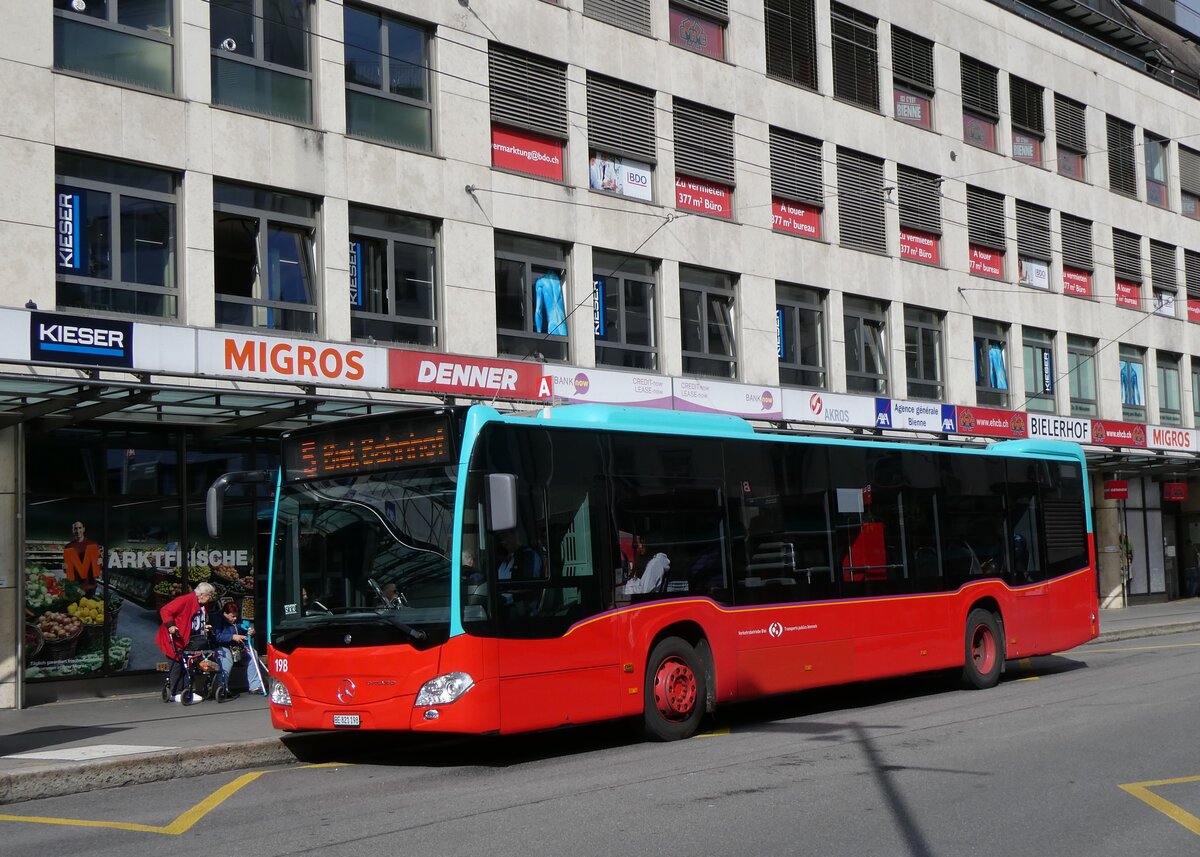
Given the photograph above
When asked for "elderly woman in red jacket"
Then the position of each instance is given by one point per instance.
(186, 619)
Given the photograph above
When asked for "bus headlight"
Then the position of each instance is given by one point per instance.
(279, 693)
(444, 689)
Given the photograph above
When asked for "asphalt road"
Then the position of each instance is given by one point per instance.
(1068, 756)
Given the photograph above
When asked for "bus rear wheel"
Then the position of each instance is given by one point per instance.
(984, 650)
(675, 691)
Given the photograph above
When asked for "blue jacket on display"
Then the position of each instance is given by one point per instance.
(549, 310)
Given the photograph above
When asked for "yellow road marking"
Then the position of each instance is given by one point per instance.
(716, 733)
(186, 820)
(1142, 792)
(1143, 648)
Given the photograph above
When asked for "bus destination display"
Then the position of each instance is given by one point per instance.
(379, 446)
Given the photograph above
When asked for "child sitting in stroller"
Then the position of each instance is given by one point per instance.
(232, 634)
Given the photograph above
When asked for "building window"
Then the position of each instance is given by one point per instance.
(260, 57)
(704, 162)
(1122, 170)
(1038, 352)
(1028, 121)
(920, 198)
(923, 353)
(792, 41)
(699, 25)
(531, 298)
(708, 322)
(991, 363)
(1133, 383)
(1127, 265)
(1078, 264)
(1170, 412)
(528, 104)
(865, 325)
(1163, 278)
(986, 235)
(855, 57)
(631, 15)
(387, 80)
(263, 247)
(1081, 375)
(981, 103)
(1155, 151)
(1196, 391)
(1070, 119)
(392, 265)
(1189, 182)
(115, 237)
(800, 320)
(912, 78)
(1033, 245)
(625, 312)
(797, 184)
(128, 41)
(621, 138)
(861, 220)
(1191, 281)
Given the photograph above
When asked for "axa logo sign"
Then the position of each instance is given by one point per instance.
(78, 341)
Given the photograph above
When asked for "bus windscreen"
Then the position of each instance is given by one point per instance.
(383, 445)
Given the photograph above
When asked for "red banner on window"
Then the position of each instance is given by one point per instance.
(1116, 489)
(703, 197)
(992, 422)
(1076, 282)
(527, 153)
(919, 246)
(467, 376)
(697, 34)
(986, 262)
(1193, 309)
(795, 218)
(1110, 433)
(1176, 492)
(1129, 294)
(912, 108)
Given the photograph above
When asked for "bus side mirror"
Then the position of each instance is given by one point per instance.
(214, 502)
(501, 501)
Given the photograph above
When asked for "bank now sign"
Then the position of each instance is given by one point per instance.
(299, 361)
(477, 377)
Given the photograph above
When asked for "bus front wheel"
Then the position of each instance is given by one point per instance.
(675, 691)
(984, 650)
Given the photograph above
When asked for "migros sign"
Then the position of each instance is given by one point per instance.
(298, 361)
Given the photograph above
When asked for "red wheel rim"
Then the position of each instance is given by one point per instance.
(675, 689)
(983, 649)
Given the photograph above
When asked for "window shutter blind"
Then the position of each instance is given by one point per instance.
(1026, 100)
(1122, 173)
(704, 142)
(1069, 117)
(1077, 242)
(796, 171)
(860, 201)
(1162, 266)
(912, 60)
(979, 90)
(792, 41)
(528, 91)
(855, 60)
(718, 9)
(621, 118)
(985, 218)
(920, 200)
(1127, 255)
(1191, 273)
(1189, 171)
(1033, 230)
(629, 14)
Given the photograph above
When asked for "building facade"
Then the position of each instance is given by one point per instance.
(228, 218)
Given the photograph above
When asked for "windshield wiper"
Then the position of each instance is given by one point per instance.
(391, 603)
(414, 634)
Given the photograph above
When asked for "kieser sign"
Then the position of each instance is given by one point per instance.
(467, 376)
(55, 338)
(300, 361)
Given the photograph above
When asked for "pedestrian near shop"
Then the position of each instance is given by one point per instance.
(185, 628)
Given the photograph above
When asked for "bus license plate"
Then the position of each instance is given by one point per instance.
(345, 720)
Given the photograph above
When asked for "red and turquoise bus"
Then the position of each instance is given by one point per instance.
(462, 570)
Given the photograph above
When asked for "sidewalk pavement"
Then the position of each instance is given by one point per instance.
(74, 746)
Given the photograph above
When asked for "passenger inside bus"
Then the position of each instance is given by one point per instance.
(649, 570)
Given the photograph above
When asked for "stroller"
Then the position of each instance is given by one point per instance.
(200, 671)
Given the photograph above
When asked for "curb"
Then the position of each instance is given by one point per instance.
(1151, 631)
(58, 780)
